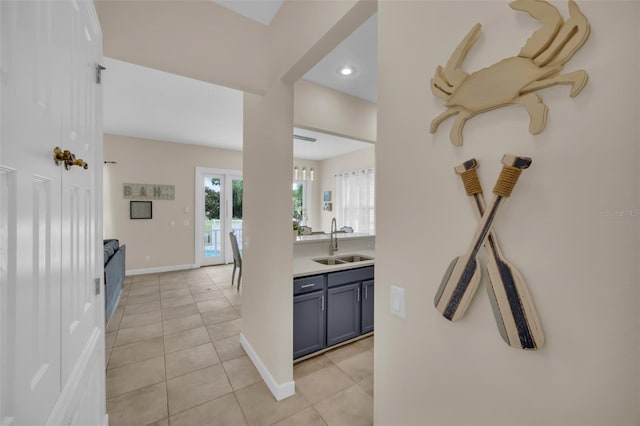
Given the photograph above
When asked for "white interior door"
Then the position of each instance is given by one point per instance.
(30, 220)
(81, 134)
(51, 321)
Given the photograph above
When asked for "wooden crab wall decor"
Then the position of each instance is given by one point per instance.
(514, 80)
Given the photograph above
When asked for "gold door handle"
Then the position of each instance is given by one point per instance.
(59, 155)
(68, 158)
(78, 162)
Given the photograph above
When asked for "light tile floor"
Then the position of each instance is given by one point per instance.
(174, 358)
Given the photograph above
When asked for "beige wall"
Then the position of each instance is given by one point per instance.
(148, 161)
(197, 39)
(267, 306)
(358, 160)
(329, 111)
(558, 227)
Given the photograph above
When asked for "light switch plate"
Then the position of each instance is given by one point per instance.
(398, 302)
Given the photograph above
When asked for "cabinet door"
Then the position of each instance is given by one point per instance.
(309, 333)
(343, 313)
(367, 306)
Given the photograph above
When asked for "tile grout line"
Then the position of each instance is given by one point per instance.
(221, 361)
(217, 354)
(164, 358)
(233, 391)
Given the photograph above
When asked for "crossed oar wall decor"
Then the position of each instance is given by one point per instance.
(511, 301)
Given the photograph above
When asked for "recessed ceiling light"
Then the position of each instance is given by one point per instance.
(347, 70)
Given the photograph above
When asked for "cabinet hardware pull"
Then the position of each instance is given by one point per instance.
(358, 294)
(308, 285)
(322, 307)
(366, 297)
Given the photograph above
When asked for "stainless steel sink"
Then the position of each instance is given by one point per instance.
(355, 258)
(330, 261)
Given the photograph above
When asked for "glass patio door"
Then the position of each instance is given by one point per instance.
(213, 243)
(218, 212)
(236, 213)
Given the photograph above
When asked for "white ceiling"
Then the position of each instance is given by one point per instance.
(152, 104)
(359, 50)
(147, 103)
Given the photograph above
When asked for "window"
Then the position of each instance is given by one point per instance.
(300, 202)
(355, 200)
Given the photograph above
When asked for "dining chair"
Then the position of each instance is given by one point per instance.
(237, 259)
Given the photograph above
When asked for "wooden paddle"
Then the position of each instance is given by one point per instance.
(461, 280)
(511, 301)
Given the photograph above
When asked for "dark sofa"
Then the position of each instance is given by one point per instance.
(114, 256)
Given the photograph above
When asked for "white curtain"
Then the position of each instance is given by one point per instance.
(355, 200)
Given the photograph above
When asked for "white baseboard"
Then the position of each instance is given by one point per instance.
(279, 390)
(160, 269)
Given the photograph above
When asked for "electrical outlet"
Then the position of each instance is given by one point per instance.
(147, 258)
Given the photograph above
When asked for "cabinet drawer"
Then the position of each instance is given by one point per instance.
(350, 276)
(308, 284)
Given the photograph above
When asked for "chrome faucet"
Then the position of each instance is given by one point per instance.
(333, 244)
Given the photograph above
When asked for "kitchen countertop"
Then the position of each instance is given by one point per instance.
(304, 265)
(314, 238)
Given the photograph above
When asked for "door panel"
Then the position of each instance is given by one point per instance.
(48, 99)
(8, 227)
(218, 212)
(367, 306)
(78, 189)
(309, 333)
(343, 313)
(235, 202)
(31, 229)
(214, 199)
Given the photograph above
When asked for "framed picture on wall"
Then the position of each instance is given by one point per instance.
(140, 210)
(326, 196)
(327, 207)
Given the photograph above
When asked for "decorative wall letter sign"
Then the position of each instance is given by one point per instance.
(514, 80)
(148, 191)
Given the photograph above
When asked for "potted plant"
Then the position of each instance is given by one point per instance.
(296, 229)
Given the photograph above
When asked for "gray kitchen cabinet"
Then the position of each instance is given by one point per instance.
(309, 333)
(367, 306)
(309, 315)
(343, 313)
(331, 308)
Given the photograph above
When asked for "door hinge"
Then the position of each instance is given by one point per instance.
(99, 69)
(97, 283)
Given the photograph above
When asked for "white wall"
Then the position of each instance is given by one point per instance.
(579, 261)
